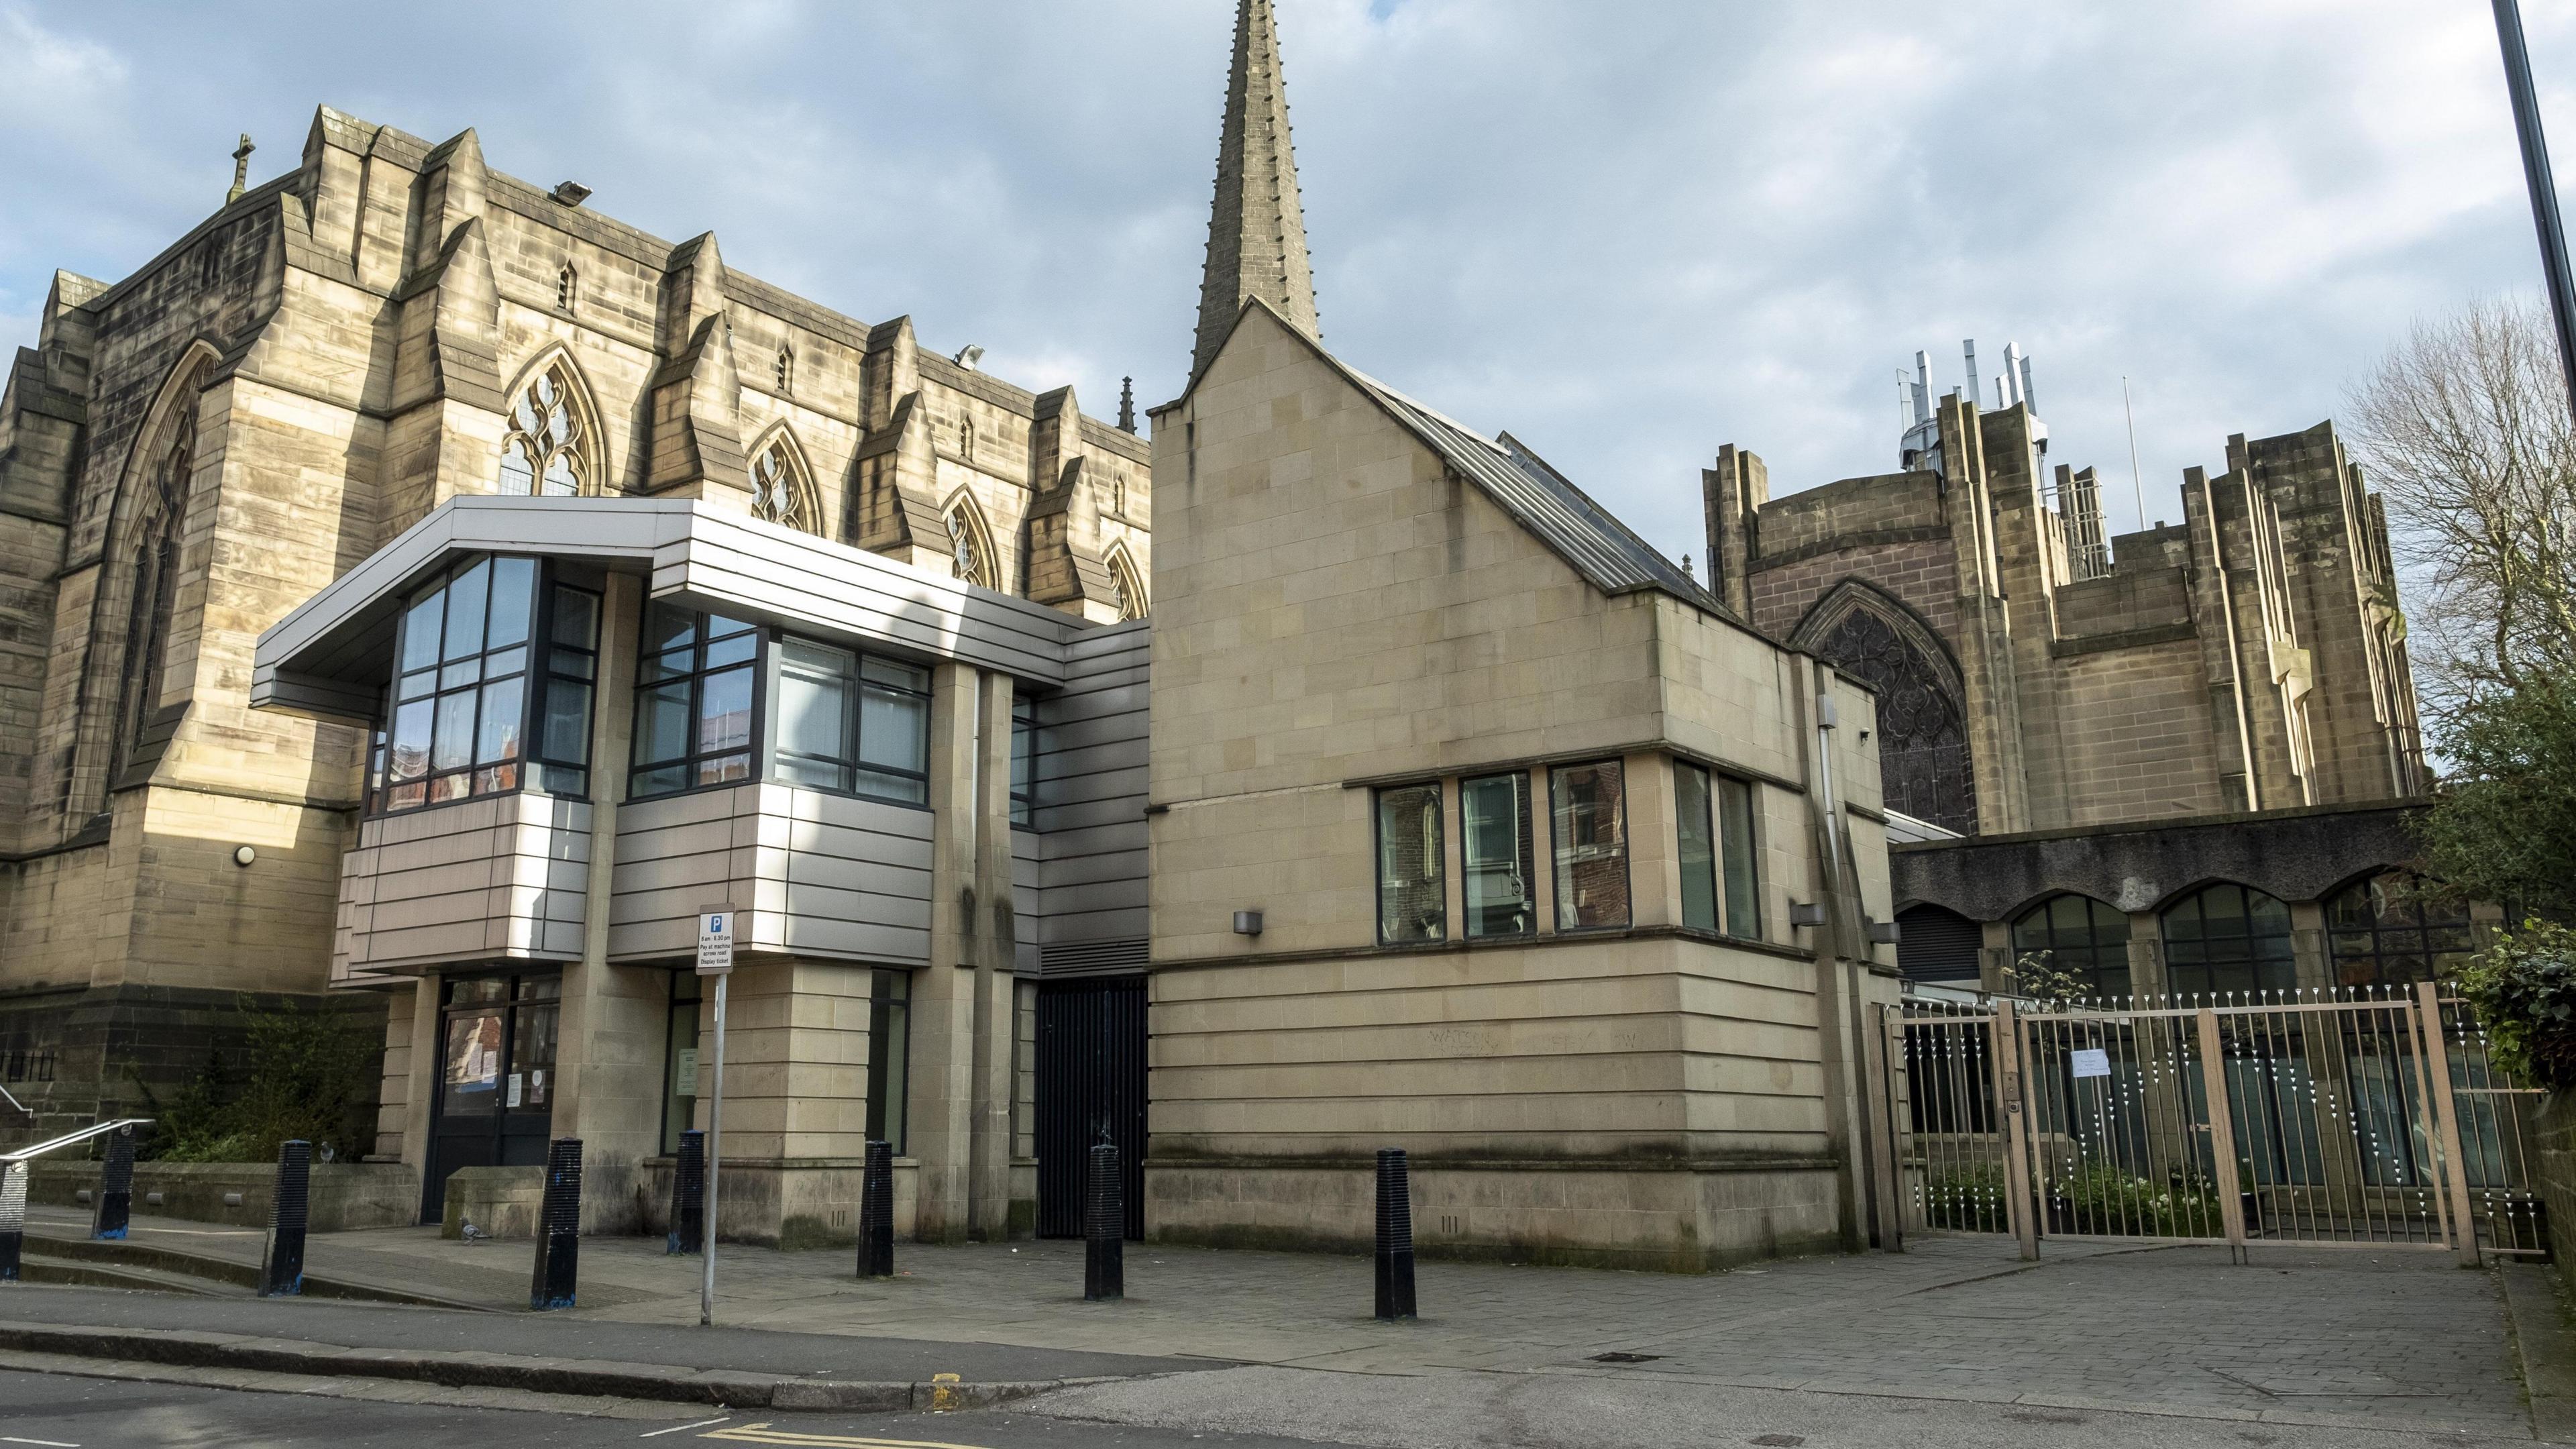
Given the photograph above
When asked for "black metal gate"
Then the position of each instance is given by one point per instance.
(1091, 1081)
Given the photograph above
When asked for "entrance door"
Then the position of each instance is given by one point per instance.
(496, 1078)
(1091, 1084)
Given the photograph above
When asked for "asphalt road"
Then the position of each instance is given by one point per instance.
(62, 1412)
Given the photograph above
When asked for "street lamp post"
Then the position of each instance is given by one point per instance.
(2544, 192)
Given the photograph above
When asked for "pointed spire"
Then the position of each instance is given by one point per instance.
(1126, 404)
(1257, 231)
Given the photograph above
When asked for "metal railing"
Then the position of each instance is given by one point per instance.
(72, 1139)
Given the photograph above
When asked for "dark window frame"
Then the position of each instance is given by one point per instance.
(536, 672)
(1627, 849)
(1527, 861)
(1024, 762)
(2086, 957)
(1439, 856)
(852, 764)
(889, 1019)
(695, 757)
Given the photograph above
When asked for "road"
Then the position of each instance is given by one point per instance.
(62, 1412)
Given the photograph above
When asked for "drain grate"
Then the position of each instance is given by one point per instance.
(1625, 1357)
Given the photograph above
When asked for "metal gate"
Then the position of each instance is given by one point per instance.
(1091, 1085)
(2357, 1117)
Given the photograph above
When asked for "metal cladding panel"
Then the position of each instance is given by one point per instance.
(1092, 1084)
(463, 882)
(1090, 781)
(822, 875)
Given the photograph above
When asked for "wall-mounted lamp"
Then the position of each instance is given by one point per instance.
(1885, 933)
(1806, 913)
(243, 855)
(1247, 923)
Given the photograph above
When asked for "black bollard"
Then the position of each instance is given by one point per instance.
(689, 1196)
(558, 1229)
(876, 1212)
(115, 1206)
(281, 1270)
(1104, 1229)
(1394, 1235)
(13, 1217)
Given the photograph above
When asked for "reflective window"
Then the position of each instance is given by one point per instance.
(1588, 814)
(1412, 885)
(852, 722)
(459, 712)
(1715, 821)
(694, 701)
(2077, 936)
(2386, 931)
(1024, 749)
(2227, 938)
(680, 1060)
(1502, 892)
(544, 452)
(889, 1057)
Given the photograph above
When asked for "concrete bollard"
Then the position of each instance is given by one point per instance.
(13, 1218)
(689, 1196)
(558, 1229)
(1104, 1229)
(115, 1206)
(281, 1266)
(876, 1212)
(1394, 1235)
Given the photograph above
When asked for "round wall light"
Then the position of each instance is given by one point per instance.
(243, 855)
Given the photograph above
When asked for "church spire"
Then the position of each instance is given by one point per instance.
(1257, 232)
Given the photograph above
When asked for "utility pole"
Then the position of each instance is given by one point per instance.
(2544, 192)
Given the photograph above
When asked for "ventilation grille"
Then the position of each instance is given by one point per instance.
(1074, 958)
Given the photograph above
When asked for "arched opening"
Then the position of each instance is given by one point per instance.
(1127, 583)
(2227, 938)
(2389, 930)
(971, 544)
(151, 537)
(1924, 765)
(1935, 943)
(2073, 939)
(782, 488)
(548, 450)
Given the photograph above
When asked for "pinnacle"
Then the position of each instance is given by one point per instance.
(1257, 227)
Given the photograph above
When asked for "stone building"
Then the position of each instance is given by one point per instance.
(188, 454)
(2034, 675)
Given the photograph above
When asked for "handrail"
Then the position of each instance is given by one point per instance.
(99, 1129)
(14, 1102)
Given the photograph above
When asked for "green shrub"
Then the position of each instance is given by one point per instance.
(2523, 988)
(2110, 1201)
(309, 1074)
(1967, 1199)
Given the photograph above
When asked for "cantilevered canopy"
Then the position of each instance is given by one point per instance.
(333, 655)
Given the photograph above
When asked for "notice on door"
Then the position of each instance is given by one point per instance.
(514, 1089)
(684, 1072)
(2092, 1062)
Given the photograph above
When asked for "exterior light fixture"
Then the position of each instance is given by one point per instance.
(1247, 923)
(243, 855)
(571, 193)
(1806, 913)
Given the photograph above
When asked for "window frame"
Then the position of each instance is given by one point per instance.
(693, 758)
(1527, 861)
(852, 764)
(1024, 762)
(1627, 849)
(884, 1004)
(1438, 856)
(536, 674)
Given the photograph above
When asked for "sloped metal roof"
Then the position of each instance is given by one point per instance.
(1605, 551)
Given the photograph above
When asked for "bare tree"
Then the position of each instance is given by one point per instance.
(2465, 430)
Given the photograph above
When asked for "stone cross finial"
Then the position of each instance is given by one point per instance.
(241, 169)
(1126, 404)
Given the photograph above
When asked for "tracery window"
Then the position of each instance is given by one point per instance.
(1129, 588)
(163, 508)
(972, 545)
(780, 491)
(1922, 738)
(545, 451)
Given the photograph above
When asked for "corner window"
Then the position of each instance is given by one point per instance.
(1588, 808)
(458, 716)
(1024, 750)
(694, 701)
(1502, 889)
(889, 1056)
(562, 763)
(1715, 820)
(1412, 888)
(853, 723)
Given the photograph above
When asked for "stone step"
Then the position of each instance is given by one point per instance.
(215, 1272)
(34, 1267)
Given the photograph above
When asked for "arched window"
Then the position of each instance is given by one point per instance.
(2227, 938)
(781, 493)
(2385, 931)
(567, 288)
(161, 507)
(1923, 760)
(786, 369)
(972, 544)
(966, 439)
(544, 454)
(1130, 585)
(2075, 936)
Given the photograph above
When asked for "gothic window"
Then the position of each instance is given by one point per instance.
(780, 491)
(966, 439)
(567, 288)
(544, 453)
(973, 545)
(1922, 736)
(786, 369)
(162, 506)
(2227, 938)
(1128, 585)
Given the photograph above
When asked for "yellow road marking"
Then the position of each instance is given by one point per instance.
(763, 1434)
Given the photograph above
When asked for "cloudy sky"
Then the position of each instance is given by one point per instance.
(1627, 230)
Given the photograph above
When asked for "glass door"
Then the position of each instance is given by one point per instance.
(496, 1078)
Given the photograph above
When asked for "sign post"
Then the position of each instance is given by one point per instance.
(715, 958)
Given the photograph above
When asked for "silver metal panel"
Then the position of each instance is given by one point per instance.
(1091, 784)
(462, 882)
